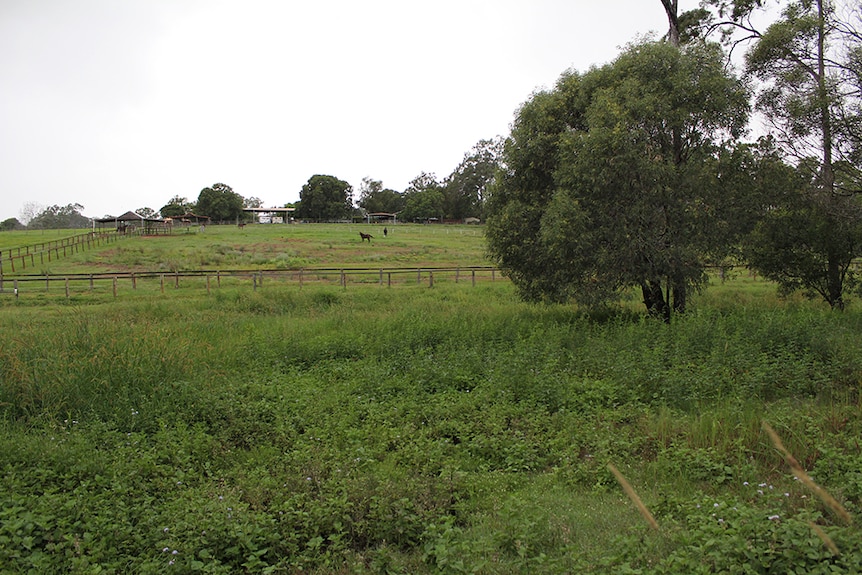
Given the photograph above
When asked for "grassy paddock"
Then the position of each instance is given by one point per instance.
(274, 247)
(424, 430)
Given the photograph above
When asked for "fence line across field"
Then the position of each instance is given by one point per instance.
(255, 278)
(42, 252)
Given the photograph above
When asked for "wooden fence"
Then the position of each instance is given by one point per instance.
(14, 260)
(115, 282)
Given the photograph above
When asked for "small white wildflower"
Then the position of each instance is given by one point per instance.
(786, 494)
(166, 549)
(745, 483)
(761, 485)
(760, 491)
(773, 517)
(171, 562)
(174, 552)
(165, 529)
(715, 504)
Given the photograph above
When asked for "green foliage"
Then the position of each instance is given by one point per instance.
(325, 198)
(373, 198)
(809, 243)
(423, 199)
(176, 207)
(418, 430)
(11, 224)
(466, 188)
(220, 203)
(612, 179)
(60, 217)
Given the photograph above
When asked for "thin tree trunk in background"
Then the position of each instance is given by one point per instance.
(671, 8)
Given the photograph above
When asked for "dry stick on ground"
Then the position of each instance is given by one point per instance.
(830, 501)
(634, 497)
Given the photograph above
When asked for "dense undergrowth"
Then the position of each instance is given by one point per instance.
(444, 430)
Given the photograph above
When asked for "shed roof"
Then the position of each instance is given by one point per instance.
(128, 217)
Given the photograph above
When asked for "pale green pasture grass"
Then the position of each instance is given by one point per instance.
(22, 238)
(264, 246)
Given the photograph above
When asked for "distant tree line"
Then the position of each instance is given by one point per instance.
(323, 198)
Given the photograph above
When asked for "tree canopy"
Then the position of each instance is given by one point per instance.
(60, 217)
(220, 203)
(423, 199)
(466, 188)
(374, 198)
(177, 206)
(610, 179)
(325, 198)
(807, 67)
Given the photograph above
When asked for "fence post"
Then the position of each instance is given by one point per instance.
(176, 279)
(67, 288)
(134, 282)
(300, 277)
(218, 278)
(431, 278)
(474, 277)
(208, 285)
(115, 286)
(343, 280)
(162, 282)
(15, 287)
(91, 282)
(47, 282)
(389, 279)
(457, 274)
(381, 276)
(254, 281)
(419, 276)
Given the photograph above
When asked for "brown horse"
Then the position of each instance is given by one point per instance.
(364, 237)
(241, 225)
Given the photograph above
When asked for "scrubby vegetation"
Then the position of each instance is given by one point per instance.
(424, 430)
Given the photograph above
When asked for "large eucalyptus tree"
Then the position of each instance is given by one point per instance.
(610, 179)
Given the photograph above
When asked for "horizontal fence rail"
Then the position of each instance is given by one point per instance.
(117, 281)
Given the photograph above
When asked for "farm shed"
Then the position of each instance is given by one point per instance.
(271, 215)
(132, 221)
(382, 217)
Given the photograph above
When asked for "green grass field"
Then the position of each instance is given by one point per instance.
(445, 429)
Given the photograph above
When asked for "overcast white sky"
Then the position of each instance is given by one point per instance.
(123, 104)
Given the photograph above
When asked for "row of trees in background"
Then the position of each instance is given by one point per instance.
(634, 174)
(323, 198)
(459, 196)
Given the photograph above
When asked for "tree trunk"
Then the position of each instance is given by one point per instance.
(827, 170)
(671, 8)
(654, 300)
(680, 295)
(834, 282)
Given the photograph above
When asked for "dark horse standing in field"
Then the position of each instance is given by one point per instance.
(364, 237)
